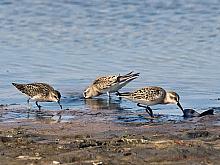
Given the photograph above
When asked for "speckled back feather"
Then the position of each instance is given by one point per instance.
(105, 82)
(108, 81)
(34, 89)
(108, 84)
(147, 94)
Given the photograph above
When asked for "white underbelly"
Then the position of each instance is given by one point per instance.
(144, 102)
(40, 99)
(114, 88)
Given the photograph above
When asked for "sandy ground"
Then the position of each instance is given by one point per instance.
(91, 139)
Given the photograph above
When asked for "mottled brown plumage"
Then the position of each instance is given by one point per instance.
(152, 96)
(149, 94)
(39, 92)
(108, 84)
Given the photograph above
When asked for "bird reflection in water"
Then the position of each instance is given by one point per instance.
(103, 104)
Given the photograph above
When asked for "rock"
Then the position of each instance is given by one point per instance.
(189, 113)
(29, 157)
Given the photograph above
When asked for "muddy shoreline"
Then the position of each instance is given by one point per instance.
(92, 138)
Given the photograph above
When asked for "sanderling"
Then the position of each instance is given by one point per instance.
(108, 84)
(39, 92)
(152, 96)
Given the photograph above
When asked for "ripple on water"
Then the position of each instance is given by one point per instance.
(173, 44)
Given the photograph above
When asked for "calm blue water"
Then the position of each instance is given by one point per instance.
(67, 43)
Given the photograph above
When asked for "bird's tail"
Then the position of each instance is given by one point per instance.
(128, 77)
(124, 94)
(19, 86)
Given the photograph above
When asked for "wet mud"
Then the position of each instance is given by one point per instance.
(96, 137)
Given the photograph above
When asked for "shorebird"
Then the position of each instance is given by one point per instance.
(151, 96)
(39, 92)
(108, 84)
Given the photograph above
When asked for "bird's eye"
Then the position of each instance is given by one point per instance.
(55, 97)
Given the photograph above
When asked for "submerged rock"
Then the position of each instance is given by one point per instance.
(189, 113)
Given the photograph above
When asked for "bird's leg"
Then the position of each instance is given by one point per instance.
(28, 114)
(28, 102)
(60, 116)
(138, 104)
(60, 104)
(142, 106)
(109, 96)
(151, 112)
(59, 120)
(118, 94)
(38, 106)
(148, 109)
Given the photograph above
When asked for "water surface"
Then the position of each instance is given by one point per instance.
(173, 44)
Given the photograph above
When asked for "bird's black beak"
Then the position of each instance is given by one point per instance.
(59, 104)
(179, 105)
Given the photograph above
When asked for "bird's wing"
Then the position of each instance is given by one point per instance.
(149, 94)
(44, 86)
(105, 82)
(127, 77)
(37, 88)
